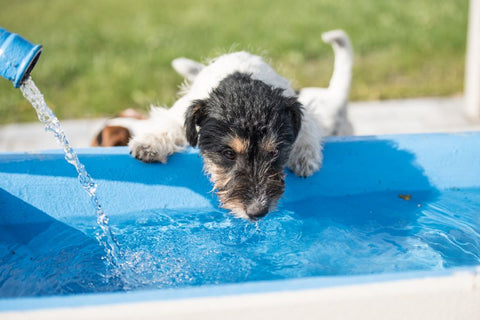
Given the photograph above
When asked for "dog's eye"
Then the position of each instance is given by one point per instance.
(229, 154)
(274, 153)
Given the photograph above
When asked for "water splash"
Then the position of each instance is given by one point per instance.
(324, 236)
(105, 236)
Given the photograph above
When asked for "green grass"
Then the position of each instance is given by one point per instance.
(104, 56)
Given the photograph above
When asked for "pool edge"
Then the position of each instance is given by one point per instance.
(444, 294)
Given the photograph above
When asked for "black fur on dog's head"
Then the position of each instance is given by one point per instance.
(245, 131)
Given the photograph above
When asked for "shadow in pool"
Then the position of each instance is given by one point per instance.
(33, 263)
(363, 181)
(362, 166)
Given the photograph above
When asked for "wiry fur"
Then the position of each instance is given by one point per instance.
(246, 133)
(238, 100)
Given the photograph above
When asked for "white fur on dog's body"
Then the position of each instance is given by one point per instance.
(324, 109)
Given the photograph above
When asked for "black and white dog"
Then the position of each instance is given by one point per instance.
(249, 124)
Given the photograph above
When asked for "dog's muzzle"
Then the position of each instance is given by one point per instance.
(257, 210)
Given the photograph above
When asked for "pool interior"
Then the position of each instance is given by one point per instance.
(357, 234)
(379, 205)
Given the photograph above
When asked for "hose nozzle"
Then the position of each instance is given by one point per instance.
(17, 57)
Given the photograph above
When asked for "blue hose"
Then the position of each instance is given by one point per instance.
(17, 57)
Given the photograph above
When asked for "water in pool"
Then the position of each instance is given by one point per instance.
(362, 234)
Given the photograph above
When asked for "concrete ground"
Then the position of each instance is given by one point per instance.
(369, 118)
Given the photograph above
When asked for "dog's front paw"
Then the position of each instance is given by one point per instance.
(306, 162)
(154, 148)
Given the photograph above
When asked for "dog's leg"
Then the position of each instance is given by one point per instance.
(163, 133)
(306, 156)
(158, 137)
(325, 110)
(330, 105)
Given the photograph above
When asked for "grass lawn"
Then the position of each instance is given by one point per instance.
(102, 56)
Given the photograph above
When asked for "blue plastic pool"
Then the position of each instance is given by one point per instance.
(380, 205)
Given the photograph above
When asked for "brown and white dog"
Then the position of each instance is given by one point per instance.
(119, 130)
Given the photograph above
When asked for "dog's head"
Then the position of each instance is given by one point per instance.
(245, 131)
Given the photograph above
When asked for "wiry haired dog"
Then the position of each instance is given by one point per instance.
(249, 124)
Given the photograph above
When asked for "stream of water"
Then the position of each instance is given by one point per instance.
(105, 236)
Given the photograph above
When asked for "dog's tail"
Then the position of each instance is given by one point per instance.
(339, 88)
(330, 105)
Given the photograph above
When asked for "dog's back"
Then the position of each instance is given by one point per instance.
(328, 104)
(208, 78)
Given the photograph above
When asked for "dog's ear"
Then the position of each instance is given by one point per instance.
(295, 109)
(193, 118)
(187, 68)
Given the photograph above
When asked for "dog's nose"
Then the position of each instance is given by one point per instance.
(256, 211)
